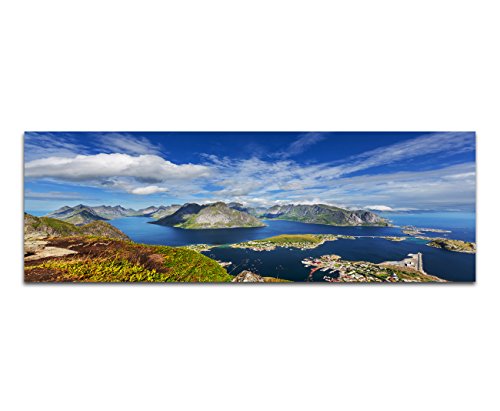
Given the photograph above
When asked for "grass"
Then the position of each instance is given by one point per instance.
(292, 238)
(59, 226)
(100, 270)
(190, 266)
(106, 260)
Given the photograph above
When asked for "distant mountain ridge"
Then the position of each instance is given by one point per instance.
(162, 211)
(83, 214)
(222, 215)
(324, 214)
(78, 215)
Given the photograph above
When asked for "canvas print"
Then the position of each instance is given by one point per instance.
(250, 207)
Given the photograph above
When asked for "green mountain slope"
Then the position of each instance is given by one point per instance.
(210, 216)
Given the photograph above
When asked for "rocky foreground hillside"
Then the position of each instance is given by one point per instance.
(103, 260)
(58, 251)
(38, 232)
(209, 216)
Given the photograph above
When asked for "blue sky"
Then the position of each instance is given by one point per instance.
(384, 171)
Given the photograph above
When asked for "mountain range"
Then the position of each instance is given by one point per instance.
(83, 214)
(323, 214)
(222, 215)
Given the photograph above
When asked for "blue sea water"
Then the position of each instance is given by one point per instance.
(37, 213)
(285, 263)
(462, 225)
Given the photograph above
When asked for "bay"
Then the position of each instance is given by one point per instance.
(286, 263)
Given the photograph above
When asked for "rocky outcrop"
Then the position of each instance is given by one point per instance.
(248, 277)
(38, 249)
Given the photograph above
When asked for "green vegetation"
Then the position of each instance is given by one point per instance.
(100, 270)
(60, 227)
(302, 241)
(190, 266)
(107, 260)
(209, 216)
(293, 239)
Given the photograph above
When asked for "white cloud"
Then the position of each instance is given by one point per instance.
(379, 208)
(148, 190)
(144, 168)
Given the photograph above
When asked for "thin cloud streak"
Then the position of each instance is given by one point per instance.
(301, 144)
(125, 143)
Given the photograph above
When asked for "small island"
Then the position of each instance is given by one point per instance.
(416, 231)
(458, 246)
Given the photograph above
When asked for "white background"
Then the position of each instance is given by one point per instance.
(259, 65)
